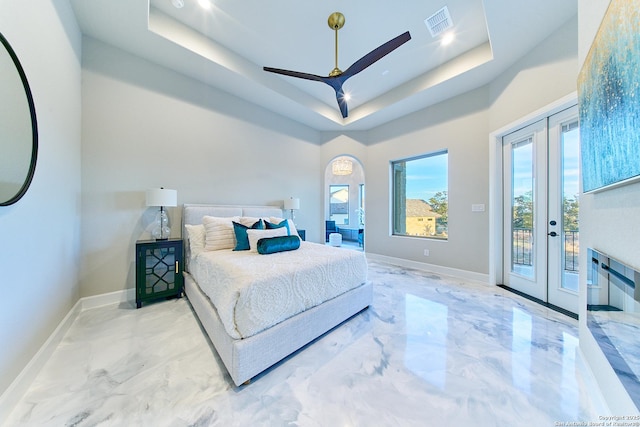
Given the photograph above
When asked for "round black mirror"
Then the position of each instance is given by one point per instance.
(18, 128)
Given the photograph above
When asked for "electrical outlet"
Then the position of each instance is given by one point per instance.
(426, 252)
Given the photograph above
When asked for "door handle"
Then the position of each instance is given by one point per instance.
(552, 234)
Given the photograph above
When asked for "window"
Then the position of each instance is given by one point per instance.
(339, 204)
(420, 202)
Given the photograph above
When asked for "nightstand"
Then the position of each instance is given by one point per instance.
(158, 269)
(302, 234)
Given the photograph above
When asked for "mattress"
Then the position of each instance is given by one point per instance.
(252, 292)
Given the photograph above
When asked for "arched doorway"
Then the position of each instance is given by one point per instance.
(344, 201)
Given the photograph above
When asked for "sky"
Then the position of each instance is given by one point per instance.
(426, 176)
(571, 163)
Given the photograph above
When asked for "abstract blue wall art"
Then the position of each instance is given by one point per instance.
(609, 100)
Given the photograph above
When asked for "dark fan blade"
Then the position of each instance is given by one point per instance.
(295, 74)
(334, 82)
(342, 103)
(375, 55)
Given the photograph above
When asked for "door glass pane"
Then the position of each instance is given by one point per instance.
(339, 204)
(570, 204)
(522, 181)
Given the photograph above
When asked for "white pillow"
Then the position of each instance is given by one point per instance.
(219, 233)
(255, 235)
(196, 236)
(292, 226)
(248, 220)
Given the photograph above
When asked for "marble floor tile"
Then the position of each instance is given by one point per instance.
(431, 351)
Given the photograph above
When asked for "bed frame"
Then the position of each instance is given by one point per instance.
(246, 358)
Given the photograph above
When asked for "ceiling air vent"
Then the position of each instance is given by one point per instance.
(439, 22)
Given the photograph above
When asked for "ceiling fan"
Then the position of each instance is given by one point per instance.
(337, 77)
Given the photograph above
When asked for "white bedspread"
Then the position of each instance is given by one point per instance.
(253, 292)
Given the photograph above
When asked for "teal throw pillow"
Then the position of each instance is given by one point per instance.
(242, 240)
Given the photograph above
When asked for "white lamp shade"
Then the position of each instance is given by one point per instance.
(162, 197)
(292, 203)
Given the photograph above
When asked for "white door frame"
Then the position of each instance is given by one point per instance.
(495, 180)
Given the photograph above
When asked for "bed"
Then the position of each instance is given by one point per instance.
(250, 341)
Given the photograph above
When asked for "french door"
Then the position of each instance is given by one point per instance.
(540, 188)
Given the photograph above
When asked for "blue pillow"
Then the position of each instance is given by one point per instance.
(271, 245)
(283, 223)
(242, 240)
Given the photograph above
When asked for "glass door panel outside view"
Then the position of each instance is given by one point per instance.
(522, 196)
(339, 204)
(570, 158)
(420, 201)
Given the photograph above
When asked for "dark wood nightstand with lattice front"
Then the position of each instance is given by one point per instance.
(158, 269)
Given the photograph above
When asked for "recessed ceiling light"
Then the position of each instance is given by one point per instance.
(205, 4)
(347, 96)
(447, 38)
(178, 4)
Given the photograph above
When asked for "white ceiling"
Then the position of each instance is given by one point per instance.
(227, 46)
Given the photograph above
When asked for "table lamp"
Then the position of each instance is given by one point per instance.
(161, 197)
(291, 205)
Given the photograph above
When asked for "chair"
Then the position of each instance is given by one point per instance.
(330, 227)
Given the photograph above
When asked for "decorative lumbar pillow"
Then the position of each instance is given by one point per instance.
(255, 235)
(240, 230)
(196, 236)
(291, 227)
(271, 245)
(219, 233)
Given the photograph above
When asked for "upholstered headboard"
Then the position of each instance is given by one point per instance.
(193, 214)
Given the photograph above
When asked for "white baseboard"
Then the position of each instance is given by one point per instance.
(21, 384)
(447, 271)
(107, 299)
(23, 381)
(598, 400)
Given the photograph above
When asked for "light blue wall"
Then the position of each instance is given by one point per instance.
(40, 234)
